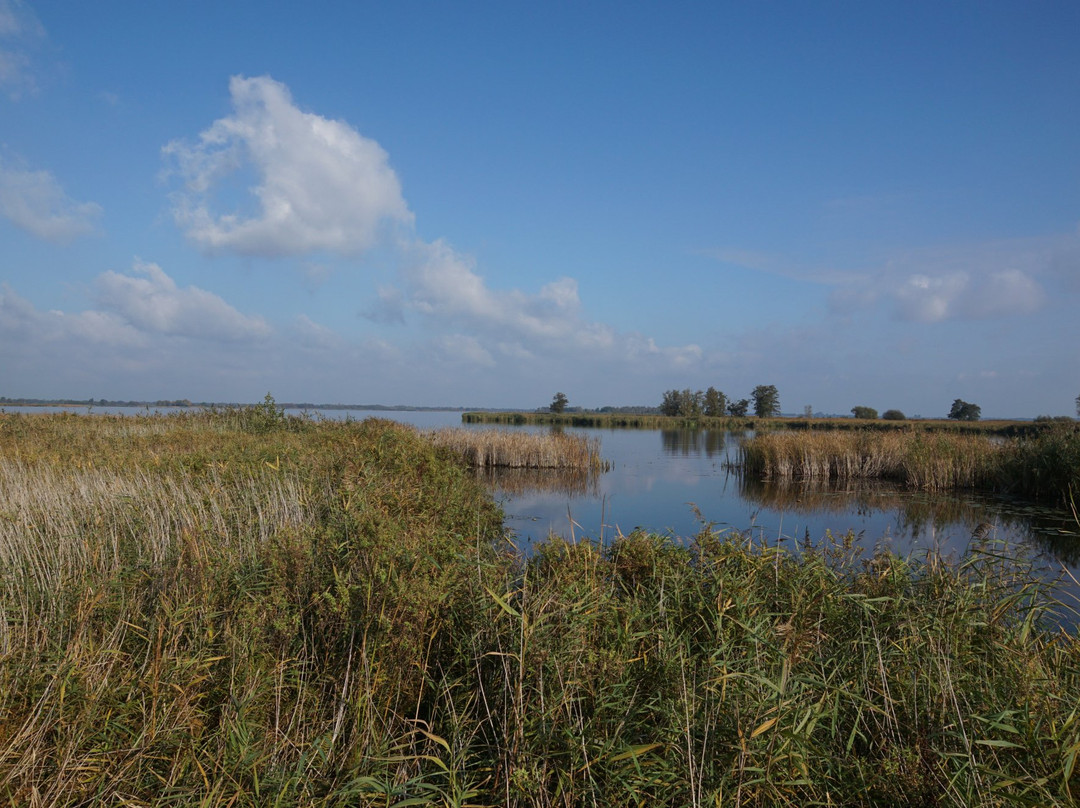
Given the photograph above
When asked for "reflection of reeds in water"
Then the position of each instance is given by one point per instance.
(686, 442)
(915, 511)
(518, 482)
(918, 512)
(810, 496)
(496, 448)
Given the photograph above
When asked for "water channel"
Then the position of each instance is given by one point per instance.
(679, 481)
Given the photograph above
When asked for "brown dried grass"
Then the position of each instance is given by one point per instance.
(497, 448)
(929, 461)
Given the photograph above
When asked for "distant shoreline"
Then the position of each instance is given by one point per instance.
(287, 405)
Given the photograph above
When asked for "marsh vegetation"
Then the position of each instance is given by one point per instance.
(892, 420)
(1045, 466)
(495, 448)
(246, 609)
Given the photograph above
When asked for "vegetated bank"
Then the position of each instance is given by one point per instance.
(601, 420)
(1044, 465)
(246, 609)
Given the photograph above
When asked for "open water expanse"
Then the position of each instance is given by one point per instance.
(675, 481)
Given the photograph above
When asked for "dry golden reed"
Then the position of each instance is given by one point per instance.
(500, 448)
(922, 460)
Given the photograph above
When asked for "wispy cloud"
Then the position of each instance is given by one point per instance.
(35, 202)
(320, 184)
(20, 34)
(463, 349)
(388, 309)
(997, 279)
(780, 265)
(962, 295)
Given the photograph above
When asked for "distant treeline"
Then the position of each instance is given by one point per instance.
(183, 402)
(616, 420)
(103, 402)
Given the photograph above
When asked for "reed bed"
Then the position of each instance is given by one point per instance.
(1045, 466)
(499, 448)
(915, 460)
(246, 612)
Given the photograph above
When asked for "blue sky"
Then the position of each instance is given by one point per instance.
(479, 204)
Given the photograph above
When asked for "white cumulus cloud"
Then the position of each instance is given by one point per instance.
(444, 285)
(24, 326)
(35, 202)
(152, 302)
(320, 184)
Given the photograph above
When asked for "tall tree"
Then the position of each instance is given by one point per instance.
(766, 401)
(965, 411)
(691, 403)
(868, 413)
(558, 404)
(715, 403)
(738, 409)
(685, 403)
(672, 402)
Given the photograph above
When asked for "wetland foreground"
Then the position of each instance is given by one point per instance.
(245, 608)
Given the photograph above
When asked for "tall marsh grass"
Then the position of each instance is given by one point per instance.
(918, 460)
(218, 611)
(1045, 466)
(500, 448)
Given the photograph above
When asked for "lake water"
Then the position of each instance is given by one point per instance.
(673, 481)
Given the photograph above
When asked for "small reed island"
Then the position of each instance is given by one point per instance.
(497, 448)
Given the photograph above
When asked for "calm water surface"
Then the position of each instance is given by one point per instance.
(672, 481)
